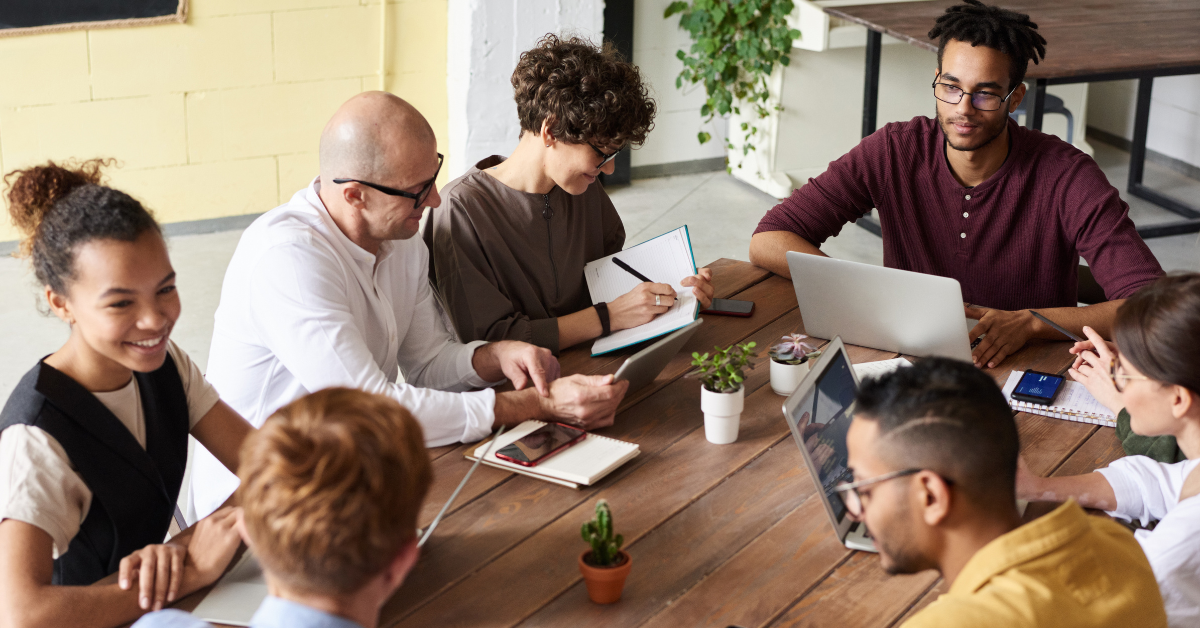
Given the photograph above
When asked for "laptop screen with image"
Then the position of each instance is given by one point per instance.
(822, 419)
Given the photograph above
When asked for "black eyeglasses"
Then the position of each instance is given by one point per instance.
(417, 198)
(605, 157)
(853, 499)
(983, 101)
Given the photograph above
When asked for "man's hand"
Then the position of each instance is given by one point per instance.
(701, 285)
(1093, 368)
(211, 548)
(638, 306)
(1006, 333)
(585, 401)
(520, 362)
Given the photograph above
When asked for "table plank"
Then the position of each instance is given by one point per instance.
(838, 600)
(1100, 449)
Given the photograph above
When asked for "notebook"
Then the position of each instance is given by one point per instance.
(236, 596)
(1073, 403)
(582, 464)
(665, 259)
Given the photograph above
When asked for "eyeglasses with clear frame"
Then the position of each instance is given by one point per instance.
(418, 198)
(1119, 377)
(604, 157)
(853, 499)
(983, 101)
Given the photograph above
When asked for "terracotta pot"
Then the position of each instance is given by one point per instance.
(604, 584)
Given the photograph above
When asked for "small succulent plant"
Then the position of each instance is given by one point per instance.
(724, 370)
(599, 534)
(792, 350)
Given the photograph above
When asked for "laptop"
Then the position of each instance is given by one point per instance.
(883, 308)
(642, 367)
(819, 414)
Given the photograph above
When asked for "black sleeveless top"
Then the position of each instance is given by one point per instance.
(133, 489)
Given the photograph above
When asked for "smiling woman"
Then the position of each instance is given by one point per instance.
(93, 441)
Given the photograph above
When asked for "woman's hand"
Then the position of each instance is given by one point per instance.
(701, 285)
(637, 307)
(211, 548)
(158, 570)
(1028, 485)
(1093, 369)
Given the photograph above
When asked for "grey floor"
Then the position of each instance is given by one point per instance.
(720, 211)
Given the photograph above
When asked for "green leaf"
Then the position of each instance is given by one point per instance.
(703, 137)
(675, 7)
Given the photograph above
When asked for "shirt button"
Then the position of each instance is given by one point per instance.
(965, 214)
(962, 235)
(968, 197)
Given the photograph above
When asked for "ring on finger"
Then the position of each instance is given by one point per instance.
(657, 300)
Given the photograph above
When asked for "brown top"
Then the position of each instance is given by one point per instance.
(505, 266)
(1083, 37)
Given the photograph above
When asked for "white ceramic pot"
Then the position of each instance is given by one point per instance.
(722, 414)
(786, 377)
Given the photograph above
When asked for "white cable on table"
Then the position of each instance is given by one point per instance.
(438, 518)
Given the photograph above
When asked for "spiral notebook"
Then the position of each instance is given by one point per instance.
(1073, 403)
(582, 464)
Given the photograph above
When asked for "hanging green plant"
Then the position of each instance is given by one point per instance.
(736, 44)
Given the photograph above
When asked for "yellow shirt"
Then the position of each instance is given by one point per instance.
(1065, 569)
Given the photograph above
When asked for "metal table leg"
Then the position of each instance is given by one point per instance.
(871, 107)
(1137, 163)
(1039, 105)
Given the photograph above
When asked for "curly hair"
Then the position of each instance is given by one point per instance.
(585, 93)
(57, 208)
(979, 24)
(331, 488)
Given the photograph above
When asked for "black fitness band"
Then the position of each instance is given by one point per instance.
(602, 312)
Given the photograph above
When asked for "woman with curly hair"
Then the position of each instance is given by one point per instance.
(508, 247)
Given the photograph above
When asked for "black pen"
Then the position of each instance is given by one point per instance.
(627, 268)
(1056, 326)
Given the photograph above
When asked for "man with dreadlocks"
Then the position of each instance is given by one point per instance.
(972, 195)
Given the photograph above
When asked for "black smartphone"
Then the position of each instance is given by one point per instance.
(1037, 387)
(730, 307)
(540, 444)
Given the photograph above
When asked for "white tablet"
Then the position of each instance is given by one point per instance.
(642, 367)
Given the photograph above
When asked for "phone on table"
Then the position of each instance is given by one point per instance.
(540, 444)
(1037, 387)
(730, 307)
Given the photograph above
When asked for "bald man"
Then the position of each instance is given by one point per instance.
(331, 289)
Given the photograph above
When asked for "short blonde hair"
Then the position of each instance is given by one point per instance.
(331, 488)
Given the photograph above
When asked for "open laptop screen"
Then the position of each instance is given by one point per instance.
(822, 419)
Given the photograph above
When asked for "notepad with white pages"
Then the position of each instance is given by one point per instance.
(1073, 403)
(665, 259)
(584, 463)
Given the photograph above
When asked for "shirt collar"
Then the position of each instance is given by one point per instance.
(356, 252)
(280, 613)
(1032, 540)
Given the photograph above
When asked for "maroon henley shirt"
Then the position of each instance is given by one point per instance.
(1012, 242)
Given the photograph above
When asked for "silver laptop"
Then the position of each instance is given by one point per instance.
(883, 308)
(819, 414)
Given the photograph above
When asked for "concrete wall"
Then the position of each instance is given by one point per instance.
(1174, 114)
(219, 116)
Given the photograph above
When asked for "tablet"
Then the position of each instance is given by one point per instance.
(642, 367)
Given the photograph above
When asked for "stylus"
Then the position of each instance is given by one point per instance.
(629, 269)
(438, 518)
(1056, 326)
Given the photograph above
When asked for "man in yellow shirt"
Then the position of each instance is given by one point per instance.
(933, 449)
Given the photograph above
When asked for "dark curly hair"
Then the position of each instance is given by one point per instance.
(60, 207)
(587, 93)
(978, 24)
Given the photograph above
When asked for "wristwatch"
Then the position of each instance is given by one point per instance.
(602, 312)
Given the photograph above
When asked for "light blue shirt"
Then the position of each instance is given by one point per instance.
(274, 613)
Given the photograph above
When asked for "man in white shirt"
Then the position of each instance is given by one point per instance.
(331, 289)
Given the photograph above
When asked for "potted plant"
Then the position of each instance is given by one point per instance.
(721, 395)
(790, 362)
(605, 565)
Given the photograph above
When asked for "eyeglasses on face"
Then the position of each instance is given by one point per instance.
(418, 197)
(604, 157)
(853, 499)
(1119, 377)
(983, 101)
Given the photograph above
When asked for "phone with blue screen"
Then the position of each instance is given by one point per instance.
(1037, 387)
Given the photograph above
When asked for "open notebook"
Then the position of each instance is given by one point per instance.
(665, 259)
(582, 464)
(1073, 403)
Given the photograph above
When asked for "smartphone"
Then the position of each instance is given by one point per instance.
(1037, 387)
(540, 444)
(730, 307)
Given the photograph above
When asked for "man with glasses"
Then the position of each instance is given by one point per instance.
(974, 196)
(933, 450)
(332, 289)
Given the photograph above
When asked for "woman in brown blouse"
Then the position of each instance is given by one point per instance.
(509, 243)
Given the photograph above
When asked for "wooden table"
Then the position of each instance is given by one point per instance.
(719, 534)
(1086, 41)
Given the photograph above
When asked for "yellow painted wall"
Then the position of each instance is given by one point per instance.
(220, 116)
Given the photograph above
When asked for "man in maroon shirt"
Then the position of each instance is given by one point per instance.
(1004, 210)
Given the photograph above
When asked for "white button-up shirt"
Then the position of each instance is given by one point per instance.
(303, 308)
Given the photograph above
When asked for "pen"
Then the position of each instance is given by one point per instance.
(627, 268)
(1057, 327)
